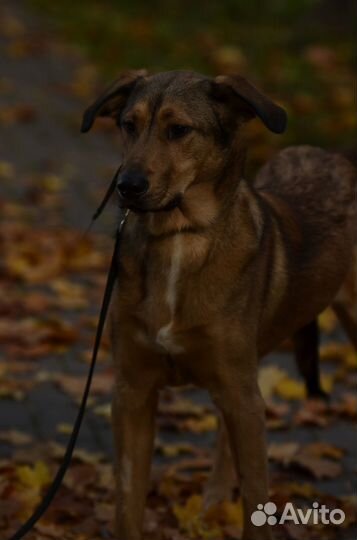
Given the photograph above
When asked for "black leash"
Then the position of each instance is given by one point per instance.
(57, 481)
(103, 204)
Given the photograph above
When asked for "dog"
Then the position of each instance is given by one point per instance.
(215, 270)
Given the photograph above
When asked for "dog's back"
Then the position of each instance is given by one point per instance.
(303, 175)
(318, 189)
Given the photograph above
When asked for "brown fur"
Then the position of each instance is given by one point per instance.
(220, 279)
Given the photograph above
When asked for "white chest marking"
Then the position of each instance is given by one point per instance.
(164, 336)
(165, 339)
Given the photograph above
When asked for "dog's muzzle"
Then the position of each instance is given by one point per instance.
(140, 208)
(132, 185)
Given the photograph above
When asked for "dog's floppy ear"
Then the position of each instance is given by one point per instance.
(254, 103)
(113, 99)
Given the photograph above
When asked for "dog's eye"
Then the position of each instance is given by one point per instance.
(176, 131)
(129, 127)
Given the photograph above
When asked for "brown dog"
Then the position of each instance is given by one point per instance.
(215, 271)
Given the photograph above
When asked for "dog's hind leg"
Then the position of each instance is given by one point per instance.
(223, 478)
(306, 348)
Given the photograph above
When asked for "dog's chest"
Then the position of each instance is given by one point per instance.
(165, 336)
(169, 286)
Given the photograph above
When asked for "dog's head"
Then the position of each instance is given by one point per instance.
(176, 129)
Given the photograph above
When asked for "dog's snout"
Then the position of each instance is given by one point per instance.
(132, 184)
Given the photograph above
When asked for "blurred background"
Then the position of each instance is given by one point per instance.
(301, 51)
(54, 59)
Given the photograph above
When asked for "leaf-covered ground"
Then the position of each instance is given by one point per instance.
(51, 279)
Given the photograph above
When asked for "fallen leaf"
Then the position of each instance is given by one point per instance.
(200, 425)
(308, 458)
(21, 113)
(283, 452)
(174, 450)
(313, 413)
(72, 384)
(291, 389)
(34, 477)
(7, 170)
(12, 436)
(319, 468)
(327, 321)
(69, 295)
(319, 449)
(269, 378)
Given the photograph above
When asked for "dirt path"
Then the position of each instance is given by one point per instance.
(41, 150)
(44, 80)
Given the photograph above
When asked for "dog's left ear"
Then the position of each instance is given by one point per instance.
(251, 102)
(113, 99)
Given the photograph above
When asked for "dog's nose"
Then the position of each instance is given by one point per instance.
(132, 184)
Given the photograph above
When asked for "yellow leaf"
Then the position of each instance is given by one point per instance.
(334, 351)
(174, 450)
(36, 477)
(226, 513)
(52, 183)
(189, 515)
(201, 425)
(7, 170)
(65, 429)
(104, 410)
(70, 295)
(327, 382)
(269, 377)
(290, 389)
(327, 321)
(31, 480)
(191, 520)
(210, 524)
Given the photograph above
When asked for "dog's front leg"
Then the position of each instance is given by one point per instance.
(133, 417)
(238, 397)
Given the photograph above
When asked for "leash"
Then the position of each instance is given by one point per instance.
(103, 204)
(111, 279)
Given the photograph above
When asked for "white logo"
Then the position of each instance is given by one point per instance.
(260, 517)
(311, 516)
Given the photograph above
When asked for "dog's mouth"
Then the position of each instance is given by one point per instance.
(145, 209)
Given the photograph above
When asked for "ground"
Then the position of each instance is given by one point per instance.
(51, 281)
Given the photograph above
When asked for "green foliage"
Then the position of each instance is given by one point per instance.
(300, 50)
